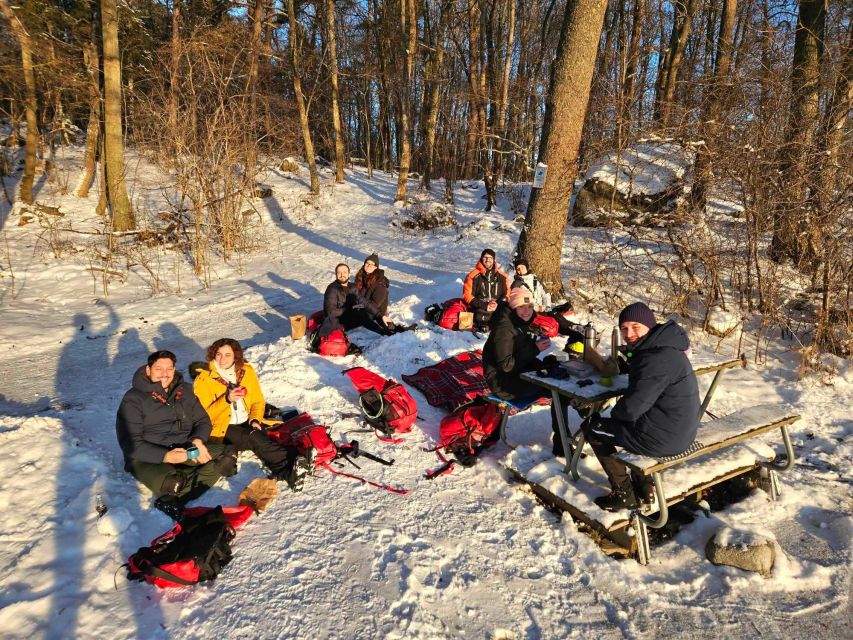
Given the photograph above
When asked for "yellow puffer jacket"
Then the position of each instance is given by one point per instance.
(211, 393)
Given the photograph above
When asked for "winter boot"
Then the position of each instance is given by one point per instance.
(172, 506)
(622, 497)
(300, 468)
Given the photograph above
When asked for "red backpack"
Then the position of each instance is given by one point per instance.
(545, 326)
(314, 321)
(450, 315)
(334, 344)
(467, 431)
(194, 550)
(303, 433)
(386, 404)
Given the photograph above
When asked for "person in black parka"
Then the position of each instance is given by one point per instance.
(658, 415)
(512, 349)
(158, 420)
(372, 285)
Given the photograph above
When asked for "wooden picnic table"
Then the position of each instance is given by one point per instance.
(588, 398)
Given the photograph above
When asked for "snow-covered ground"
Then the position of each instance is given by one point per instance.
(467, 555)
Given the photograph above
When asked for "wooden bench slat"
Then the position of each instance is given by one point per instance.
(718, 434)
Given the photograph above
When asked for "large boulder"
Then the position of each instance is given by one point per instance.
(648, 180)
(742, 549)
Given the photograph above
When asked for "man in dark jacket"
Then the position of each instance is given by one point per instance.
(163, 430)
(512, 349)
(485, 286)
(659, 413)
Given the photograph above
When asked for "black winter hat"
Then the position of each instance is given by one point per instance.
(638, 312)
(373, 258)
(520, 261)
(487, 252)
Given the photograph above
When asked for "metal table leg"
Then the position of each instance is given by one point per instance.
(710, 393)
(563, 428)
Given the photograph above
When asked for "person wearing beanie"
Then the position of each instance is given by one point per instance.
(372, 285)
(512, 349)
(659, 413)
(485, 286)
(541, 301)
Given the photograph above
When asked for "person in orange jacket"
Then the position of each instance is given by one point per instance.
(485, 286)
(231, 394)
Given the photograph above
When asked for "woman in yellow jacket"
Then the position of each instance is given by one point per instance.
(231, 394)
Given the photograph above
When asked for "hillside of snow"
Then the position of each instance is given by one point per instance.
(468, 555)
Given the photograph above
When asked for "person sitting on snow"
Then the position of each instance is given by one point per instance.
(541, 300)
(345, 305)
(659, 413)
(163, 433)
(372, 284)
(229, 390)
(485, 286)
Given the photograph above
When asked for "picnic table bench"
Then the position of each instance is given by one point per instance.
(721, 451)
(724, 448)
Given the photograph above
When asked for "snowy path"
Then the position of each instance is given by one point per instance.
(467, 555)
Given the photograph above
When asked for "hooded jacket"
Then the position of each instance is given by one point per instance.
(482, 286)
(510, 349)
(374, 296)
(213, 397)
(661, 404)
(535, 286)
(147, 428)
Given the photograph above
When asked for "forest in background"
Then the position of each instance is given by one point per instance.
(439, 91)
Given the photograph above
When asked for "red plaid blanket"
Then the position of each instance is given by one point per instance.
(452, 383)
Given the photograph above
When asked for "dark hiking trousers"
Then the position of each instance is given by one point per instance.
(514, 388)
(278, 458)
(353, 318)
(187, 480)
(603, 435)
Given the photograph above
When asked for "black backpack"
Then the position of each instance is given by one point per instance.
(194, 550)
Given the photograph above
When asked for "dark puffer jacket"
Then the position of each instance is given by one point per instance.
(374, 291)
(661, 404)
(147, 428)
(509, 351)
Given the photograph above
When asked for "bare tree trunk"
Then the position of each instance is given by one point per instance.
(501, 127)
(174, 71)
(709, 125)
(434, 94)
(628, 89)
(122, 213)
(93, 130)
(409, 30)
(336, 113)
(257, 23)
(300, 99)
(541, 241)
(791, 220)
(472, 139)
(675, 53)
(30, 106)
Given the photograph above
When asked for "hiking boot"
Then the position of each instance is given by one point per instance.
(171, 506)
(622, 497)
(301, 468)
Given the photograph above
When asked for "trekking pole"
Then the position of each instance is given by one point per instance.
(359, 452)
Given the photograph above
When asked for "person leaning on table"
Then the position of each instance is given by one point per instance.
(659, 413)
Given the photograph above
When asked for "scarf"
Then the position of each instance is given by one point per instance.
(231, 378)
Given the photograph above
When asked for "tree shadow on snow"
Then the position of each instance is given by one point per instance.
(92, 465)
